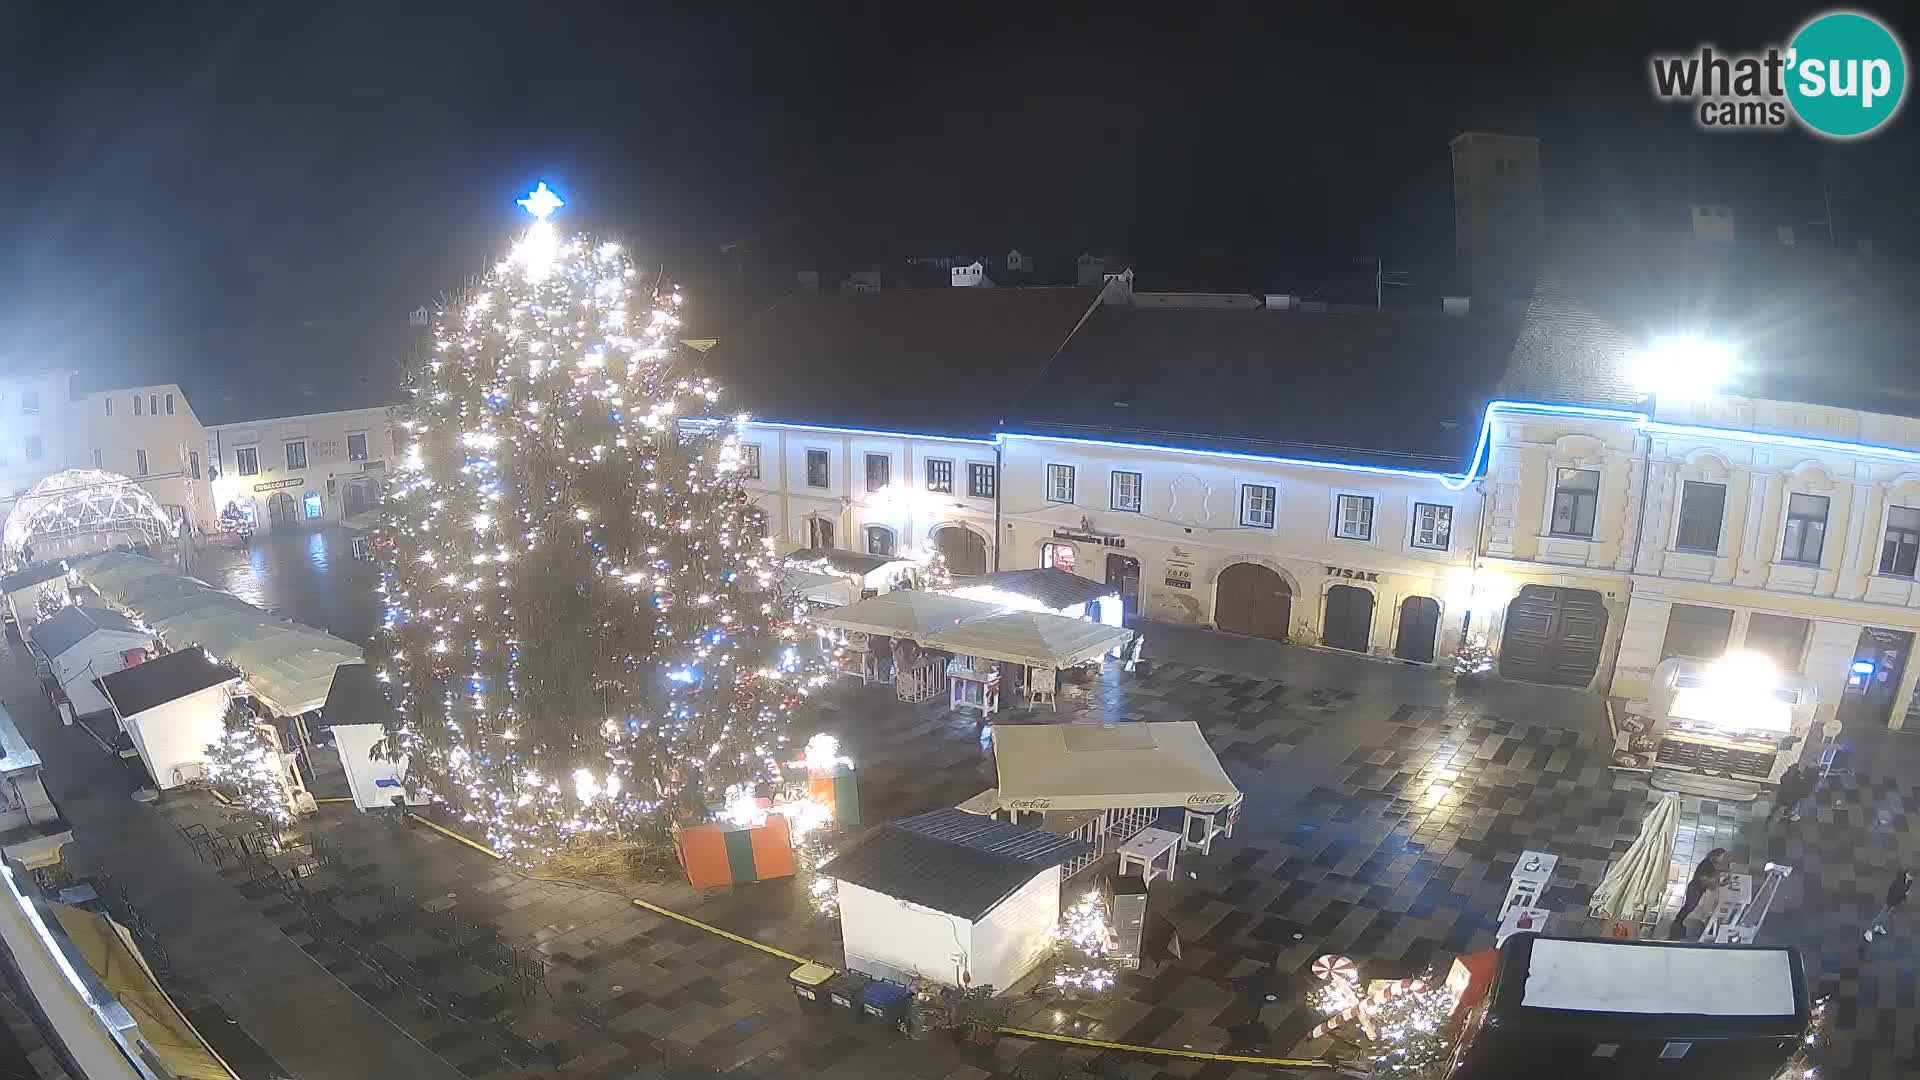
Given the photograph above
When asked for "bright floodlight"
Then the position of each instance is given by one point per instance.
(1680, 368)
(1743, 674)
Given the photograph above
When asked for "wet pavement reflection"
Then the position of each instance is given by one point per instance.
(309, 575)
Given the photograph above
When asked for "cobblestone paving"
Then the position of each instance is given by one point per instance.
(1384, 815)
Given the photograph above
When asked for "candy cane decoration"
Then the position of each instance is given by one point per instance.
(1386, 991)
(1330, 965)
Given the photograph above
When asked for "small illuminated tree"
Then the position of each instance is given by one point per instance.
(245, 764)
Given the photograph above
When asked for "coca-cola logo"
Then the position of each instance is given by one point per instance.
(1209, 800)
(1030, 804)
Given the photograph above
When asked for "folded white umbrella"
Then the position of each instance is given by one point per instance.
(1636, 883)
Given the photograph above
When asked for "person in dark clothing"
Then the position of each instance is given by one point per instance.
(1795, 785)
(1705, 876)
(1896, 895)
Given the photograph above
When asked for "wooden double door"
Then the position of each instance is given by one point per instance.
(1254, 600)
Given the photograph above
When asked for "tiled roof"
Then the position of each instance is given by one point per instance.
(935, 361)
(163, 679)
(1375, 388)
(952, 861)
(1055, 588)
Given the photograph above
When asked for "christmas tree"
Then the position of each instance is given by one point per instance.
(581, 635)
(245, 765)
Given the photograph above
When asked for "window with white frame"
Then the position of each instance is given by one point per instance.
(109, 403)
(1702, 507)
(1432, 526)
(136, 404)
(980, 479)
(297, 455)
(1060, 483)
(1057, 556)
(1576, 498)
(139, 462)
(819, 469)
(819, 533)
(1900, 550)
(357, 446)
(1354, 519)
(1806, 532)
(97, 462)
(880, 540)
(246, 459)
(1126, 488)
(169, 404)
(1257, 503)
(940, 475)
(153, 404)
(30, 402)
(749, 461)
(879, 472)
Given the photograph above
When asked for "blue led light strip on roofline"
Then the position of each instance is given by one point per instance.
(1449, 481)
(831, 430)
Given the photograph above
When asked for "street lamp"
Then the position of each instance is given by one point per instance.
(1682, 367)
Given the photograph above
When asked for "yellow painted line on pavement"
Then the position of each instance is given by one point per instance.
(1199, 1055)
(728, 934)
(335, 798)
(449, 833)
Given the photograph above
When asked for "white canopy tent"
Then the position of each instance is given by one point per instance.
(1099, 767)
(1033, 638)
(289, 667)
(906, 613)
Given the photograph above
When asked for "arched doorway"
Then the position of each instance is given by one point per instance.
(280, 510)
(1419, 620)
(1349, 621)
(1553, 636)
(1254, 600)
(361, 496)
(966, 550)
(1123, 573)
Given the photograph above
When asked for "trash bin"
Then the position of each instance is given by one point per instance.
(885, 1002)
(844, 991)
(810, 986)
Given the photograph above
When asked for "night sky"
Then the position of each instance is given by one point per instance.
(232, 190)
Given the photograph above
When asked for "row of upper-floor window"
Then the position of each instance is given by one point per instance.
(153, 403)
(1353, 513)
(1701, 518)
(246, 459)
(140, 462)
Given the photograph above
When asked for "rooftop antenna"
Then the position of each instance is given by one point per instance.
(1382, 278)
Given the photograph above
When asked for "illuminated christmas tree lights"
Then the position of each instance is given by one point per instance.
(245, 764)
(581, 636)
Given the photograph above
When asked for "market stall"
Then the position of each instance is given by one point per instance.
(357, 712)
(1044, 644)
(1597, 1008)
(1051, 590)
(869, 575)
(173, 707)
(867, 636)
(1723, 727)
(952, 897)
(1104, 784)
(22, 591)
(81, 644)
(819, 590)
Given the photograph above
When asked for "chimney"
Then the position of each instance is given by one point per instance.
(1455, 305)
(1118, 290)
(1279, 301)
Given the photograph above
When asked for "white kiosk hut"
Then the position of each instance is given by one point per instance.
(82, 644)
(1048, 589)
(949, 896)
(1106, 785)
(173, 707)
(22, 591)
(357, 711)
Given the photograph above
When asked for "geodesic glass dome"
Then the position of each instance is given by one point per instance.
(79, 511)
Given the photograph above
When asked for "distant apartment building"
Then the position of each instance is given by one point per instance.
(151, 434)
(292, 471)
